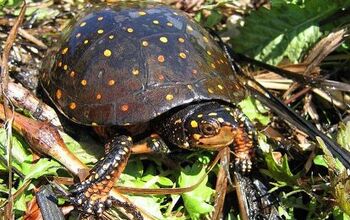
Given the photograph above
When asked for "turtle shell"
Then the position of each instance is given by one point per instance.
(128, 63)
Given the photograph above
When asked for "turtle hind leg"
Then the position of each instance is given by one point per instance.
(91, 196)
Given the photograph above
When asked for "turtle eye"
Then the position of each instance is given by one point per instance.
(209, 127)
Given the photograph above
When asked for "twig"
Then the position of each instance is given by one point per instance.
(297, 95)
(285, 84)
(31, 38)
(4, 87)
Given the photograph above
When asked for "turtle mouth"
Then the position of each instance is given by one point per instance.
(224, 138)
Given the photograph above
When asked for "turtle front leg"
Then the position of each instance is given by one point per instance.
(245, 139)
(92, 195)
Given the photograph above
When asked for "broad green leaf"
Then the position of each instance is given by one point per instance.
(133, 177)
(10, 3)
(213, 19)
(331, 162)
(134, 168)
(19, 152)
(42, 13)
(343, 136)
(283, 212)
(86, 152)
(42, 167)
(20, 203)
(285, 30)
(342, 194)
(254, 110)
(279, 171)
(319, 160)
(3, 187)
(196, 201)
(203, 157)
(148, 203)
(164, 181)
(339, 215)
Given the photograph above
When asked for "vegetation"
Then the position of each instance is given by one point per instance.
(308, 182)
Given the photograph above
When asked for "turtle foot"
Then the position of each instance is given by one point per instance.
(91, 196)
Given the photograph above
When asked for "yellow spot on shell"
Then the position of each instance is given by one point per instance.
(83, 82)
(94, 124)
(205, 39)
(124, 107)
(182, 55)
(72, 105)
(210, 90)
(155, 22)
(98, 96)
(169, 24)
(86, 41)
(58, 94)
(221, 120)
(161, 58)
(135, 72)
(169, 97)
(65, 67)
(64, 51)
(213, 65)
(209, 53)
(190, 87)
(111, 36)
(130, 30)
(197, 136)
(107, 53)
(60, 64)
(100, 18)
(78, 35)
(213, 114)
(83, 24)
(161, 77)
(194, 124)
(111, 82)
(220, 87)
(100, 31)
(181, 40)
(178, 121)
(142, 13)
(144, 43)
(163, 39)
(199, 115)
(72, 74)
(189, 28)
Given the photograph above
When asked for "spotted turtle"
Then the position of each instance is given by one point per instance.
(146, 68)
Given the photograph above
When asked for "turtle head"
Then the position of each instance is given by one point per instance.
(208, 126)
(211, 127)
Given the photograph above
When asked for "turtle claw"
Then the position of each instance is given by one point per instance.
(243, 165)
(97, 207)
